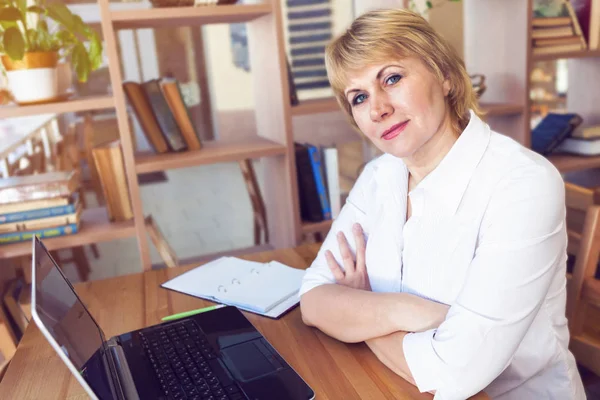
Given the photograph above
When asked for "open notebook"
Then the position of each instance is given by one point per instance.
(268, 289)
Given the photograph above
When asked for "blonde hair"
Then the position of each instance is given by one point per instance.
(378, 36)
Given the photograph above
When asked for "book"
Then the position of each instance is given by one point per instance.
(332, 178)
(558, 49)
(172, 94)
(594, 29)
(552, 130)
(310, 205)
(145, 116)
(38, 209)
(557, 41)
(580, 146)
(558, 32)
(268, 289)
(108, 159)
(317, 170)
(587, 132)
(164, 116)
(22, 236)
(42, 223)
(37, 187)
(575, 23)
(550, 21)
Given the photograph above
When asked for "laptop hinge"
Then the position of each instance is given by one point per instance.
(123, 373)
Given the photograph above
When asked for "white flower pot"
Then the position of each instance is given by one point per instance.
(33, 85)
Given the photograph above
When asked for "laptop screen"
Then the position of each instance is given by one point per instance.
(62, 313)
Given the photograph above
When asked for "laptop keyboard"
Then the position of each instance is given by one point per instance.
(186, 364)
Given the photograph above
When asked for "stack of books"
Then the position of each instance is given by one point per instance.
(582, 141)
(318, 182)
(163, 115)
(44, 205)
(564, 133)
(556, 30)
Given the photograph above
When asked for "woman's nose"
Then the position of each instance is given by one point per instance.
(380, 108)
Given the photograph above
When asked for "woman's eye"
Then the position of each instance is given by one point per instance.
(393, 79)
(358, 99)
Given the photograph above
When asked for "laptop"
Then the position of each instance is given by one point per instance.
(216, 355)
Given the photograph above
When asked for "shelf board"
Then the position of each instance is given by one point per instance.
(95, 227)
(315, 106)
(211, 153)
(73, 105)
(569, 54)
(569, 163)
(183, 16)
(312, 227)
(500, 109)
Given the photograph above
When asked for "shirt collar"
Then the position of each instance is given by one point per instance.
(447, 183)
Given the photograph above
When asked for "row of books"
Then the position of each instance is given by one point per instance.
(564, 28)
(563, 133)
(160, 109)
(45, 205)
(318, 182)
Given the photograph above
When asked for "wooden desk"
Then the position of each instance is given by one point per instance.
(335, 370)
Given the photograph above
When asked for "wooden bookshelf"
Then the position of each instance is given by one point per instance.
(95, 227)
(570, 54)
(181, 16)
(312, 227)
(315, 106)
(211, 153)
(71, 105)
(501, 109)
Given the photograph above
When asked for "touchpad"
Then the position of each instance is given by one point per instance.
(246, 362)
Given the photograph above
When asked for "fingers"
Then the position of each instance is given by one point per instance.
(337, 272)
(347, 258)
(359, 239)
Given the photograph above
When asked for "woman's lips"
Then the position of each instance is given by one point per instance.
(394, 131)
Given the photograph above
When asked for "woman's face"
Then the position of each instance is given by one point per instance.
(399, 105)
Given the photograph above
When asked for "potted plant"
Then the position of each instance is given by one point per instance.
(32, 40)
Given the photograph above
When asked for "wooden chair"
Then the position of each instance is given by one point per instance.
(261, 229)
(583, 289)
(165, 251)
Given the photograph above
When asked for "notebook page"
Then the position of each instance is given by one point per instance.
(264, 288)
(206, 281)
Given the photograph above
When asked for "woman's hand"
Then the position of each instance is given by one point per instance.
(354, 274)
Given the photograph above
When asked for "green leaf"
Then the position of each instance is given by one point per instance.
(37, 10)
(42, 25)
(429, 5)
(80, 62)
(10, 14)
(14, 43)
(32, 40)
(22, 6)
(95, 51)
(61, 14)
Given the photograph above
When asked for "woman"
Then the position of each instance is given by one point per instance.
(449, 256)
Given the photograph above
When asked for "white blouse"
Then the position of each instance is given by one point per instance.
(487, 236)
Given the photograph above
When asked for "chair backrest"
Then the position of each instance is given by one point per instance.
(29, 164)
(258, 205)
(583, 228)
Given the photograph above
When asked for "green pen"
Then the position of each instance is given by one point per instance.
(192, 312)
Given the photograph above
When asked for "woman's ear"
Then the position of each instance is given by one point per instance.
(446, 86)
